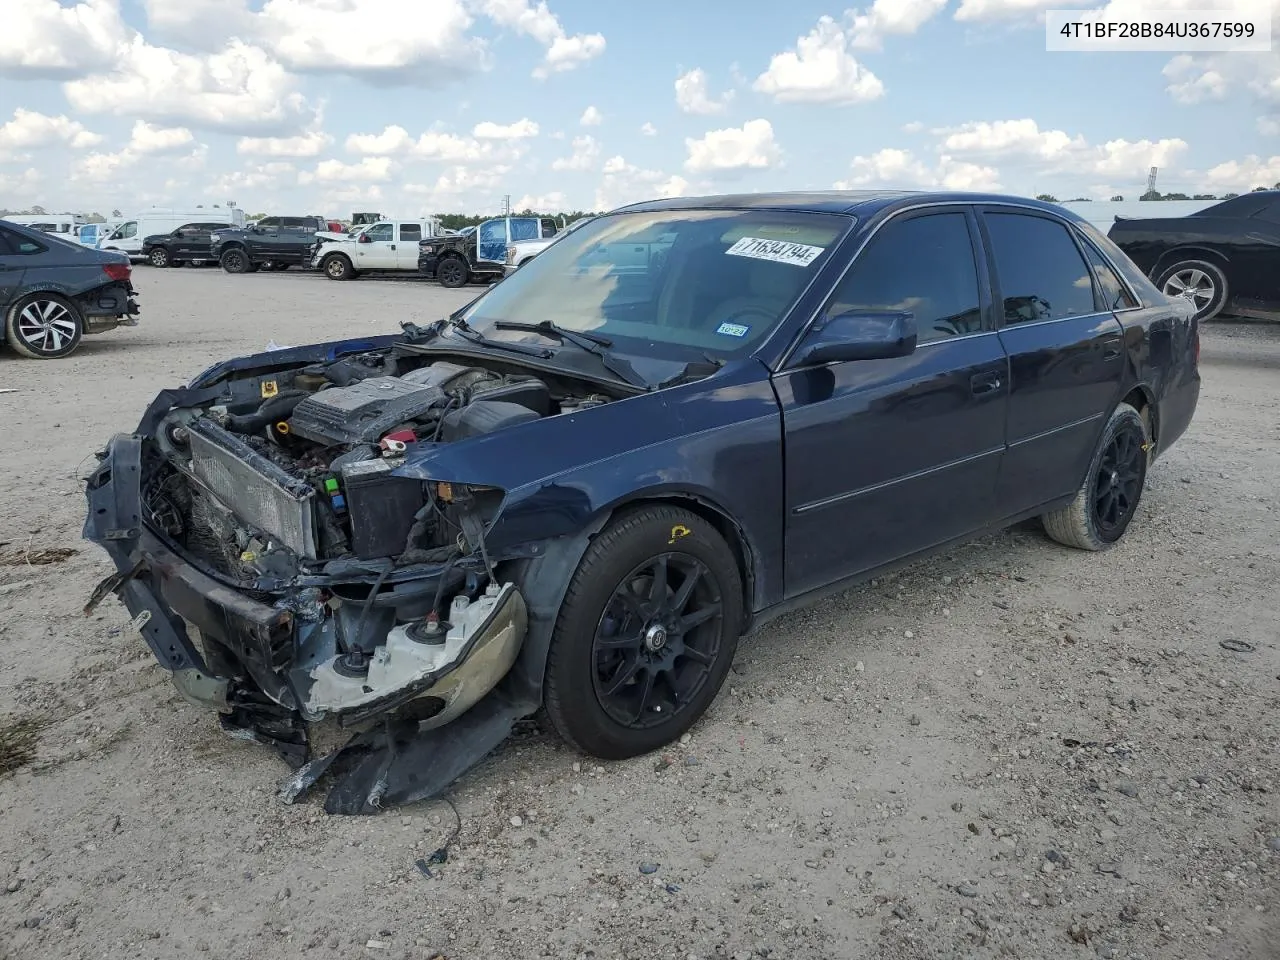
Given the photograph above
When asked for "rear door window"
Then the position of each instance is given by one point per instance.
(410, 232)
(20, 246)
(1039, 269)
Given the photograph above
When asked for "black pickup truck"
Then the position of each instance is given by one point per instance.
(273, 243)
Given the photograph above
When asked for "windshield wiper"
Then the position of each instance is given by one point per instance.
(471, 335)
(695, 370)
(592, 343)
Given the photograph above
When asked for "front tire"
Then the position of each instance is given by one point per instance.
(235, 260)
(44, 326)
(1201, 282)
(1108, 499)
(337, 267)
(645, 635)
(159, 257)
(452, 273)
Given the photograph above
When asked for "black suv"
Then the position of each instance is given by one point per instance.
(53, 292)
(190, 243)
(273, 243)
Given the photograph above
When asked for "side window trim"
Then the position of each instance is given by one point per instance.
(997, 293)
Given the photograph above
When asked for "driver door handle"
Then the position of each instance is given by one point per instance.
(981, 384)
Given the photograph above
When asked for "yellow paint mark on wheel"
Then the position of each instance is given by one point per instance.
(679, 531)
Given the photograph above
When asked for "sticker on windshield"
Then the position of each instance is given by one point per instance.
(733, 329)
(779, 251)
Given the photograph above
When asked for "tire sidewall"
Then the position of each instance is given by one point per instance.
(571, 661)
(1124, 417)
(19, 345)
(1219, 282)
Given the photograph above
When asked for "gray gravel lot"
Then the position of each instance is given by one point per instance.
(1012, 750)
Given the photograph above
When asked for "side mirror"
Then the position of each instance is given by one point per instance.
(364, 238)
(858, 335)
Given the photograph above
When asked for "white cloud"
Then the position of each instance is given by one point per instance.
(624, 183)
(586, 151)
(1008, 9)
(693, 94)
(749, 147)
(240, 89)
(1055, 151)
(649, 130)
(382, 40)
(535, 20)
(432, 145)
(1009, 137)
(1241, 176)
(884, 17)
(819, 70)
(543, 202)
(591, 117)
(465, 185)
(902, 168)
(366, 170)
(150, 139)
(521, 129)
(44, 39)
(19, 189)
(266, 176)
(915, 126)
(304, 145)
(31, 130)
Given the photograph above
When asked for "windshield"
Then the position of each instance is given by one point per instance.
(716, 281)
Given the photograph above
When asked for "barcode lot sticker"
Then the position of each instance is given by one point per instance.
(1120, 27)
(779, 251)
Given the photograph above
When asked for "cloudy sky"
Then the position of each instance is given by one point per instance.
(421, 106)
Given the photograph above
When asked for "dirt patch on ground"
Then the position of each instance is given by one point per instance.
(1013, 750)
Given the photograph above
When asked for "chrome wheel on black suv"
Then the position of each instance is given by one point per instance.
(1199, 281)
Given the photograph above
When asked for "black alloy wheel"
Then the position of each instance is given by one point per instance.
(235, 261)
(1118, 483)
(657, 640)
(451, 272)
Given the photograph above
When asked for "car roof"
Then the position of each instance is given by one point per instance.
(861, 203)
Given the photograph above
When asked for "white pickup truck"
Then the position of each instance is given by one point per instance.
(520, 252)
(385, 246)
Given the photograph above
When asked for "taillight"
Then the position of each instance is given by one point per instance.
(117, 271)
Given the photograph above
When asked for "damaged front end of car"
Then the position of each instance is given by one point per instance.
(289, 556)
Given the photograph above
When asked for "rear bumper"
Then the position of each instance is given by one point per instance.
(109, 307)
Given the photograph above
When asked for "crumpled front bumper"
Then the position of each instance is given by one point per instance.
(256, 690)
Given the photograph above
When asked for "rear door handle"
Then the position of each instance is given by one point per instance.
(1111, 348)
(982, 384)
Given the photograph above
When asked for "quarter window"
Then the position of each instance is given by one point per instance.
(15, 244)
(1041, 273)
(1114, 295)
(923, 264)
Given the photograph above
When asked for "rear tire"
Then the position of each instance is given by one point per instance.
(452, 272)
(1201, 282)
(632, 665)
(337, 267)
(159, 257)
(235, 260)
(1107, 501)
(44, 326)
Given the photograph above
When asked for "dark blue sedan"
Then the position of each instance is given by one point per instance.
(578, 491)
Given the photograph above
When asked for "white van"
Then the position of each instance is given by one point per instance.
(129, 235)
(59, 224)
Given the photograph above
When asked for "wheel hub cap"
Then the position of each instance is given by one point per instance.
(655, 638)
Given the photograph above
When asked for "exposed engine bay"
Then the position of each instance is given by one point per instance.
(315, 580)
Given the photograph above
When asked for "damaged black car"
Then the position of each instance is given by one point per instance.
(578, 491)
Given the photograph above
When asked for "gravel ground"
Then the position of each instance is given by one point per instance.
(1013, 750)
